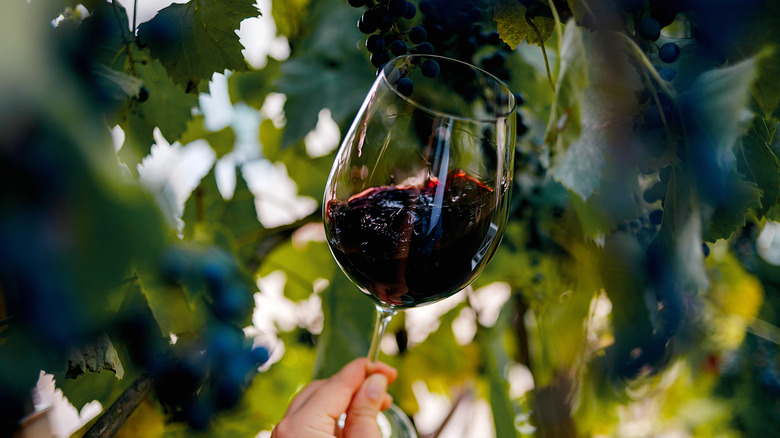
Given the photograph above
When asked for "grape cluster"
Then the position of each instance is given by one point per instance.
(387, 24)
(462, 30)
(210, 370)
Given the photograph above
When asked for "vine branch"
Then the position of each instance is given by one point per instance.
(115, 416)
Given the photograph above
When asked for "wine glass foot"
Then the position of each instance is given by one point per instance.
(393, 423)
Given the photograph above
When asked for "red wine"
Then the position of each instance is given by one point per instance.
(411, 245)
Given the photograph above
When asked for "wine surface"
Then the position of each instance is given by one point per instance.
(411, 245)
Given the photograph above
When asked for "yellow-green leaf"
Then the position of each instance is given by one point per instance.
(514, 24)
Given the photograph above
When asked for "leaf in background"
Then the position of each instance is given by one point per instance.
(757, 161)
(716, 115)
(591, 126)
(167, 107)
(326, 70)
(116, 85)
(511, 18)
(289, 16)
(563, 126)
(743, 197)
(206, 205)
(302, 265)
(253, 86)
(737, 298)
(221, 141)
(495, 350)
(95, 356)
(348, 321)
(196, 39)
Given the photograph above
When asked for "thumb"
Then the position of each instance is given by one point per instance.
(365, 406)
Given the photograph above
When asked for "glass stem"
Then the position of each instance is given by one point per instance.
(383, 317)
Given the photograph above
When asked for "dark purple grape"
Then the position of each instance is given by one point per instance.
(667, 74)
(366, 27)
(411, 10)
(669, 52)
(705, 249)
(425, 48)
(384, 20)
(655, 193)
(656, 217)
(143, 95)
(232, 302)
(199, 413)
(357, 3)
(649, 28)
(397, 8)
(398, 48)
(379, 58)
(375, 43)
(417, 34)
(430, 68)
(260, 355)
(405, 86)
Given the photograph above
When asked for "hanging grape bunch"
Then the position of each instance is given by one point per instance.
(209, 371)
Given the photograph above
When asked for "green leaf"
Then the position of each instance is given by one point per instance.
(348, 321)
(206, 205)
(302, 265)
(759, 164)
(590, 127)
(495, 350)
(253, 86)
(729, 217)
(516, 23)
(196, 39)
(167, 107)
(221, 141)
(718, 110)
(326, 70)
(289, 16)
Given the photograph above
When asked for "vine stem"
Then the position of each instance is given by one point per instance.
(135, 13)
(544, 51)
(115, 416)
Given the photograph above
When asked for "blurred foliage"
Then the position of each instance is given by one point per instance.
(640, 301)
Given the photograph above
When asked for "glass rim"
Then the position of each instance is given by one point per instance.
(504, 115)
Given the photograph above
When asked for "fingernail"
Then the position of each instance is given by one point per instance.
(377, 384)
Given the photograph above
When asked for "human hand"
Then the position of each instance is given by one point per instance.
(359, 389)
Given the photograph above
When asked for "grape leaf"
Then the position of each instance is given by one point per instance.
(718, 111)
(516, 23)
(196, 39)
(326, 70)
(302, 265)
(288, 16)
(728, 217)
(348, 320)
(759, 163)
(590, 123)
(237, 216)
(167, 107)
(221, 141)
(253, 86)
(496, 356)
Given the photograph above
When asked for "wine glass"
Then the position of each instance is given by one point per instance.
(418, 195)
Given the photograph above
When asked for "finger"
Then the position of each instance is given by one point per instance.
(304, 395)
(381, 367)
(335, 393)
(361, 416)
(386, 402)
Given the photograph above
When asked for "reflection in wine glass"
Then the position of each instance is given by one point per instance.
(418, 196)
